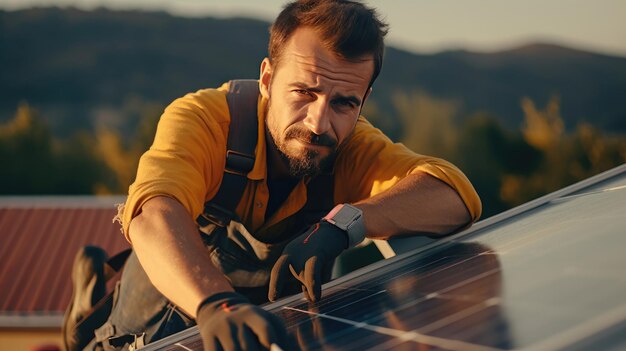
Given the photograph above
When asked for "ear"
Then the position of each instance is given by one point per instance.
(265, 77)
(367, 94)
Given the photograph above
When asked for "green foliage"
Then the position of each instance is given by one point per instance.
(86, 163)
(40, 164)
(26, 151)
(428, 122)
(508, 167)
(567, 157)
(486, 152)
(79, 168)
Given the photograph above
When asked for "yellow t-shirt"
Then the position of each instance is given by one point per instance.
(186, 162)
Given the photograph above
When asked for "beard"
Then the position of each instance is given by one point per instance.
(301, 163)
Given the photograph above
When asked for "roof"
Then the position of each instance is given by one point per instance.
(40, 236)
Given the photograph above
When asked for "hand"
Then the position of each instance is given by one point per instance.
(228, 321)
(307, 260)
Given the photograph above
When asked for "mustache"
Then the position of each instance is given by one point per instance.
(303, 134)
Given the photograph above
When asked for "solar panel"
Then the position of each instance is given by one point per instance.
(548, 275)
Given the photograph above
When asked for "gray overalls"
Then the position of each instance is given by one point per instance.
(141, 314)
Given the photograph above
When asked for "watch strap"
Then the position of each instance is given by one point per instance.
(353, 226)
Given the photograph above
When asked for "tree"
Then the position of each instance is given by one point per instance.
(428, 123)
(568, 157)
(26, 150)
(488, 154)
(38, 163)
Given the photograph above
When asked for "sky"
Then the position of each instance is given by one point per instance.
(427, 26)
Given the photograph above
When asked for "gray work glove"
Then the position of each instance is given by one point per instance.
(307, 261)
(228, 321)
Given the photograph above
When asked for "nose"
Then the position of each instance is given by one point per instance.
(317, 119)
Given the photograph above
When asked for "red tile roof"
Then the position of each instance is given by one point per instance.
(39, 237)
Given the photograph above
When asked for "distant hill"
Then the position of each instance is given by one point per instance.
(80, 67)
(592, 87)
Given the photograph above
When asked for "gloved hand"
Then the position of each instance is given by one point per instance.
(228, 321)
(307, 260)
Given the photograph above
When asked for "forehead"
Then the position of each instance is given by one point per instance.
(306, 58)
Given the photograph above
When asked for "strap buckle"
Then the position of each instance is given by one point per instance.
(214, 214)
(238, 163)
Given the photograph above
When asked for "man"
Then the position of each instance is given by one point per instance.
(323, 58)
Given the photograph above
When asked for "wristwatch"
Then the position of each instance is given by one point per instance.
(349, 219)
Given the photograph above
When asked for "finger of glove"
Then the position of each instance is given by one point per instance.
(210, 339)
(248, 339)
(228, 338)
(279, 329)
(280, 273)
(292, 343)
(304, 337)
(313, 279)
(327, 273)
(261, 325)
(211, 343)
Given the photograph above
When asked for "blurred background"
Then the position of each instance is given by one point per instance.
(524, 97)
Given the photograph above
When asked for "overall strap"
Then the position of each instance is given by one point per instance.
(242, 98)
(320, 193)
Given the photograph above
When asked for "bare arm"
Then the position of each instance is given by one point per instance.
(167, 243)
(418, 203)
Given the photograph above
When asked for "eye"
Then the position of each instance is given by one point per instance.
(346, 104)
(302, 92)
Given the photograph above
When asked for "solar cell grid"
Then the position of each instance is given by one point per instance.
(548, 278)
(411, 304)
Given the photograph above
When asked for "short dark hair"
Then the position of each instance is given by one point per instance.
(348, 28)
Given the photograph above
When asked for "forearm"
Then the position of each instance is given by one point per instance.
(418, 203)
(167, 243)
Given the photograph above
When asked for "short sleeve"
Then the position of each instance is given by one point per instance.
(186, 159)
(371, 163)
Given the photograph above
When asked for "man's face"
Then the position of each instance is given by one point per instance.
(314, 100)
